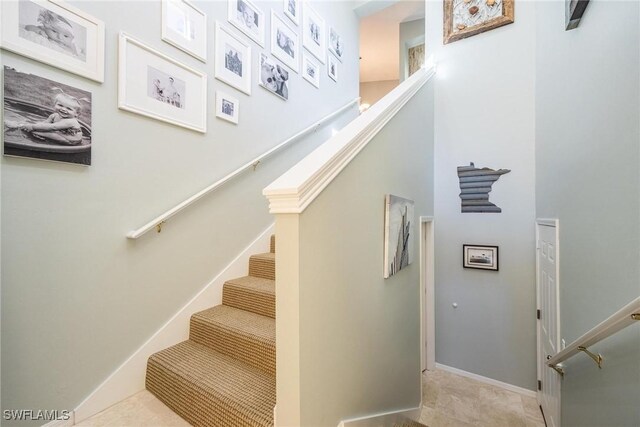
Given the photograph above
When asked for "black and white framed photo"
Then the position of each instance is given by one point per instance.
(233, 60)
(314, 33)
(157, 86)
(45, 119)
(185, 27)
(292, 10)
(332, 68)
(248, 18)
(227, 107)
(284, 42)
(335, 44)
(480, 257)
(310, 70)
(55, 33)
(274, 77)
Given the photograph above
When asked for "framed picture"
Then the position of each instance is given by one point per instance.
(156, 86)
(248, 18)
(274, 77)
(233, 60)
(284, 42)
(292, 10)
(313, 33)
(55, 33)
(398, 234)
(332, 68)
(45, 119)
(310, 70)
(480, 257)
(335, 44)
(185, 27)
(464, 18)
(574, 9)
(227, 107)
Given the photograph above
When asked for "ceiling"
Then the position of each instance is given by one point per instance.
(380, 40)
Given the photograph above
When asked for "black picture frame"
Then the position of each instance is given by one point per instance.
(480, 257)
(574, 11)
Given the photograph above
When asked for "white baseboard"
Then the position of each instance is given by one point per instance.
(62, 423)
(490, 381)
(128, 379)
(385, 418)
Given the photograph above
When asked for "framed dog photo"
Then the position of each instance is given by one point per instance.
(153, 85)
(292, 10)
(335, 44)
(274, 77)
(185, 27)
(227, 107)
(310, 70)
(480, 257)
(332, 68)
(55, 33)
(313, 33)
(233, 60)
(284, 42)
(248, 18)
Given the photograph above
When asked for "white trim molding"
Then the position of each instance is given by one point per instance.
(486, 380)
(62, 423)
(298, 187)
(385, 418)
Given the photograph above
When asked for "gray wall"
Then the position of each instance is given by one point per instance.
(372, 92)
(360, 333)
(77, 297)
(411, 34)
(587, 175)
(484, 103)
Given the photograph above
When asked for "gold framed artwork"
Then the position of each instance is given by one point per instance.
(466, 18)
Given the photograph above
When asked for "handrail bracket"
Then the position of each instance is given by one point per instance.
(635, 316)
(558, 369)
(596, 357)
(159, 226)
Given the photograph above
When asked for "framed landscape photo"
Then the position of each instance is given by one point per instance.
(480, 257)
(335, 44)
(185, 27)
(292, 10)
(332, 68)
(154, 85)
(464, 18)
(284, 42)
(274, 77)
(233, 60)
(55, 33)
(248, 18)
(310, 70)
(313, 33)
(227, 107)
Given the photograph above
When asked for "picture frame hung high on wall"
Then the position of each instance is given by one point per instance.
(156, 86)
(248, 18)
(480, 257)
(284, 42)
(314, 37)
(310, 69)
(464, 18)
(293, 10)
(232, 60)
(336, 45)
(185, 27)
(55, 33)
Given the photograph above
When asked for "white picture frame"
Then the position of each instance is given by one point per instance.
(185, 26)
(399, 228)
(227, 107)
(314, 37)
(22, 30)
(232, 60)
(273, 77)
(310, 69)
(335, 44)
(284, 42)
(292, 10)
(174, 92)
(248, 18)
(332, 68)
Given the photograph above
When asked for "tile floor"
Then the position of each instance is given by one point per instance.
(449, 400)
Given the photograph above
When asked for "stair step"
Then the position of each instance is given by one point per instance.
(263, 265)
(209, 389)
(272, 246)
(253, 294)
(245, 336)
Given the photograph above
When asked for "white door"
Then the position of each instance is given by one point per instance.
(548, 323)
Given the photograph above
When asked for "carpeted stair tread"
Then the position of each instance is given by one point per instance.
(254, 294)
(246, 336)
(263, 265)
(408, 423)
(272, 246)
(208, 388)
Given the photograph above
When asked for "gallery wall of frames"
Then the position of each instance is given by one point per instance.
(50, 120)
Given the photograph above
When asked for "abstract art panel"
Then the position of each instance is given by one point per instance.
(398, 234)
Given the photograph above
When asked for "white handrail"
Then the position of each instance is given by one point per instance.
(161, 219)
(624, 317)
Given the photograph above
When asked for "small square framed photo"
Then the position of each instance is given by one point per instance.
(284, 42)
(292, 10)
(248, 18)
(233, 60)
(332, 68)
(310, 70)
(185, 27)
(480, 257)
(227, 107)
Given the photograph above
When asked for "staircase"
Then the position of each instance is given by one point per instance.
(224, 374)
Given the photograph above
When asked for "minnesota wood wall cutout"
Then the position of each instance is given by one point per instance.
(475, 186)
(466, 18)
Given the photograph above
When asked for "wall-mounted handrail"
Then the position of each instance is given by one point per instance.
(624, 317)
(158, 221)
